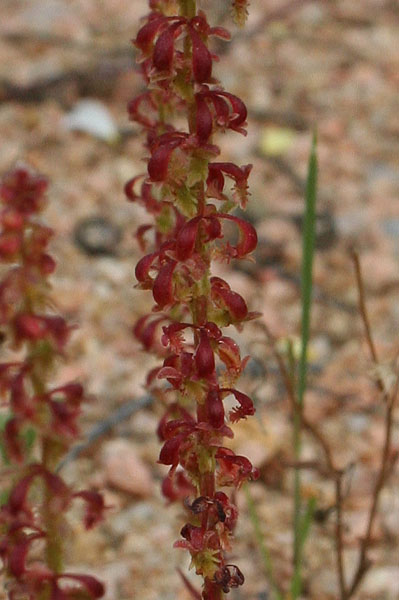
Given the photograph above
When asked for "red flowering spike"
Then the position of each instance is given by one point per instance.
(202, 58)
(27, 516)
(163, 285)
(204, 356)
(177, 64)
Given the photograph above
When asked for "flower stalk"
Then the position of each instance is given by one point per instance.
(185, 192)
(32, 522)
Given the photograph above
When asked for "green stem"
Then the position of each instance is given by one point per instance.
(267, 561)
(188, 8)
(52, 517)
(306, 293)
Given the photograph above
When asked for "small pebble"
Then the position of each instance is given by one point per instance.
(97, 236)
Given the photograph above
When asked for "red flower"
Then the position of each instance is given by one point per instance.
(234, 469)
(23, 190)
(95, 507)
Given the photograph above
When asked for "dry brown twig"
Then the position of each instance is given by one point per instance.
(347, 590)
(385, 462)
(335, 473)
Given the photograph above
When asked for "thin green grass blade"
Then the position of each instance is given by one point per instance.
(306, 521)
(308, 241)
(266, 558)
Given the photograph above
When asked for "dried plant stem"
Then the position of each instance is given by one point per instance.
(364, 563)
(390, 399)
(362, 307)
(339, 545)
(347, 591)
(332, 470)
(288, 384)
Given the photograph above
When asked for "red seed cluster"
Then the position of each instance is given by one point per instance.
(186, 192)
(31, 520)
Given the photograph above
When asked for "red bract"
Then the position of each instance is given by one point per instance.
(200, 364)
(204, 356)
(95, 507)
(202, 59)
(32, 328)
(230, 301)
(218, 109)
(163, 285)
(215, 181)
(33, 511)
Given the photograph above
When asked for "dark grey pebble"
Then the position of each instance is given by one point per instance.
(97, 236)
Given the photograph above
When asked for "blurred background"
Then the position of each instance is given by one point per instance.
(67, 71)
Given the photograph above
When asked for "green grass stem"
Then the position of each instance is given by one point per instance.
(264, 551)
(308, 239)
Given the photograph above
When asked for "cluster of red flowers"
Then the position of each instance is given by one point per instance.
(31, 531)
(185, 192)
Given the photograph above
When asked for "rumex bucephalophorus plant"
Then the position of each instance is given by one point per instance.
(32, 518)
(185, 192)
